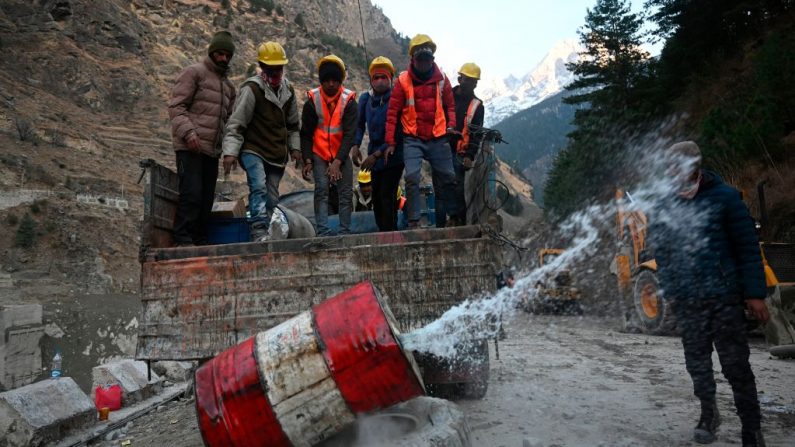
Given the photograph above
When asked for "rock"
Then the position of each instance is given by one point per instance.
(174, 371)
(131, 375)
(44, 412)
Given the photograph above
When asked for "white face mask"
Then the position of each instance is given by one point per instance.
(690, 189)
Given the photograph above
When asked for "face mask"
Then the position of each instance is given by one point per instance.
(380, 84)
(274, 77)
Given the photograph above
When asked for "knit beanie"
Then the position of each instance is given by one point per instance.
(329, 70)
(222, 40)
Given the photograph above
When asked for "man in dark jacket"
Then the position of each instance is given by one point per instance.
(422, 103)
(385, 174)
(201, 101)
(710, 268)
(468, 110)
(328, 125)
(263, 133)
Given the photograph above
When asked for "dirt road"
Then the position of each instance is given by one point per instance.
(570, 381)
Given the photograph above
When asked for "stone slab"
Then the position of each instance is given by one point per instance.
(131, 375)
(44, 412)
(174, 370)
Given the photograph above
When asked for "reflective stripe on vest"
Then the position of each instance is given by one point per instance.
(328, 133)
(463, 143)
(408, 116)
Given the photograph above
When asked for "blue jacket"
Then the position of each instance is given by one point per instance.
(707, 247)
(372, 118)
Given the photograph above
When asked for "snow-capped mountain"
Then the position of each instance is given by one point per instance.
(505, 97)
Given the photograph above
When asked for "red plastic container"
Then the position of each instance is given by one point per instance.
(305, 379)
(108, 396)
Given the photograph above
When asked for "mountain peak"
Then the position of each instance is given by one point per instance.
(504, 97)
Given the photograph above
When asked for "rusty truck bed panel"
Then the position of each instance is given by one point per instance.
(314, 244)
(196, 307)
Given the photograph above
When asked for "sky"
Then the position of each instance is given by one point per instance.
(502, 36)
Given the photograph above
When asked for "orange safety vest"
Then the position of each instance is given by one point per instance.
(409, 115)
(328, 133)
(463, 143)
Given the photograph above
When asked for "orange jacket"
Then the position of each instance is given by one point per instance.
(328, 132)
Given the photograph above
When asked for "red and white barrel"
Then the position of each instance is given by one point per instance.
(304, 380)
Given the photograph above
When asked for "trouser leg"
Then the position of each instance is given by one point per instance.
(189, 204)
(731, 343)
(345, 189)
(695, 323)
(209, 178)
(440, 157)
(256, 177)
(319, 167)
(413, 153)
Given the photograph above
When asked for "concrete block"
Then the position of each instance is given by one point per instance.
(44, 412)
(20, 353)
(131, 375)
(174, 371)
(19, 315)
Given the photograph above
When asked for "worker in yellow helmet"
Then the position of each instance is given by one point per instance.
(422, 103)
(328, 125)
(363, 192)
(468, 111)
(262, 135)
(372, 119)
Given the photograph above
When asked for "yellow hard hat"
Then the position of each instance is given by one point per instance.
(334, 59)
(364, 176)
(382, 62)
(420, 39)
(399, 192)
(470, 70)
(271, 53)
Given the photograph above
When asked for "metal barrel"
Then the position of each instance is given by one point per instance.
(304, 380)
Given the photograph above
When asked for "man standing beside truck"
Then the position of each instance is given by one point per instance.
(263, 134)
(201, 100)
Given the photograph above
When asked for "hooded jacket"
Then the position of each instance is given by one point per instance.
(201, 101)
(706, 247)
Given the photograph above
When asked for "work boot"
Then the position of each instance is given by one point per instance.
(708, 424)
(753, 438)
(414, 225)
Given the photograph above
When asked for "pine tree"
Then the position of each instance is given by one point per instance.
(613, 58)
(608, 72)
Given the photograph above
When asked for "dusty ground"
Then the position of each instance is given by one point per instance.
(570, 381)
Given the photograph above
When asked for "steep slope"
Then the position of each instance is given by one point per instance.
(535, 136)
(84, 83)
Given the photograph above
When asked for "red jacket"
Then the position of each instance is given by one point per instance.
(424, 102)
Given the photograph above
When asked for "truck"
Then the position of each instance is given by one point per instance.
(198, 301)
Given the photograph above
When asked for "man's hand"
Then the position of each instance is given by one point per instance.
(295, 155)
(193, 142)
(369, 162)
(230, 163)
(306, 173)
(333, 172)
(467, 163)
(356, 155)
(452, 132)
(758, 309)
(388, 153)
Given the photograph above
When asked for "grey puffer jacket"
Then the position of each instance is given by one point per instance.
(201, 102)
